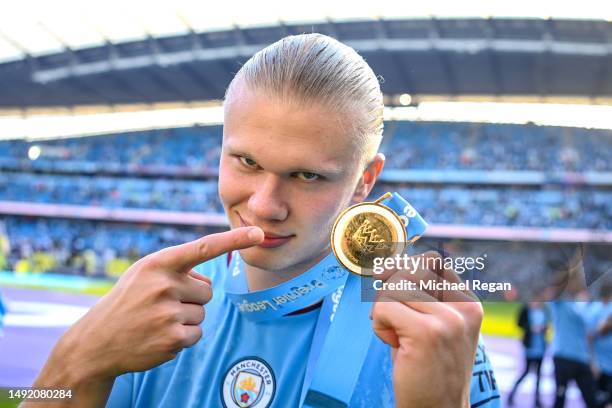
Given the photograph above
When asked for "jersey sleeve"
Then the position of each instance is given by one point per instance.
(484, 391)
(121, 394)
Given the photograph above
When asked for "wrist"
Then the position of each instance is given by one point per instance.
(69, 367)
(72, 365)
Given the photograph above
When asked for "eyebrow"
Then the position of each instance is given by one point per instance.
(331, 171)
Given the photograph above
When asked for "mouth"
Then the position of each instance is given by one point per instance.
(271, 239)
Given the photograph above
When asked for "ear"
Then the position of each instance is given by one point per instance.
(368, 178)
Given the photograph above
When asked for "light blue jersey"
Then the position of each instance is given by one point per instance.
(570, 327)
(600, 312)
(242, 363)
(537, 340)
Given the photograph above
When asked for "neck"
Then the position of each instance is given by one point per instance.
(260, 279)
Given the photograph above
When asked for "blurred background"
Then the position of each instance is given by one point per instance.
(498, 130)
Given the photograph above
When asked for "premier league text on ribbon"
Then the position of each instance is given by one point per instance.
(276, 302)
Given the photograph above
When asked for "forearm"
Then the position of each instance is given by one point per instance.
(66, 370)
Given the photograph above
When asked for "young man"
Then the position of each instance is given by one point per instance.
(303, 123)
(600, 336)
(533, 320)
(568, 302)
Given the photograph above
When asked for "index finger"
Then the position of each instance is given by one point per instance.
(183, 258)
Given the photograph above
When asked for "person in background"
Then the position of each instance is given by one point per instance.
(600, 336)
(534, 321)
(568, 301)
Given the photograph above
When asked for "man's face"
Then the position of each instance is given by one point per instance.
(288, 170)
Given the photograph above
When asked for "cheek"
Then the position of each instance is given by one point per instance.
(229, 184)
(324, 210)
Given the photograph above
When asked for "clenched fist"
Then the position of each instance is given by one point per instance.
(433, 336)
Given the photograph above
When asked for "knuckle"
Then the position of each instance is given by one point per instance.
(166, 288)
(434, 330)
(176, 336)
(473, 311)
(164, 316)
(174, 313)
(206, 291)
(198, 334)
(150, 262)
(376, 311)
(191, 336)
(456, 325)
(203, 246)
(201, 315)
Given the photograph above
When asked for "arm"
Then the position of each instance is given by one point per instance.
(65, 370)
(152, 313)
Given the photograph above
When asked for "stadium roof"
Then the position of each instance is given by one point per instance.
(35, 27)
(71, 53)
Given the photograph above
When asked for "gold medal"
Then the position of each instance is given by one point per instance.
(367, 231)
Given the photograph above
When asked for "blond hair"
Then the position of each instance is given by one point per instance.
(317, 69)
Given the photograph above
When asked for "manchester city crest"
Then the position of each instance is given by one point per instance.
(249, 383)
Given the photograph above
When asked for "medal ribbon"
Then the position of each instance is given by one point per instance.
(334, 364)
(295, 294)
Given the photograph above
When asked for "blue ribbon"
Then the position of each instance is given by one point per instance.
(295, 294)
(334, 365)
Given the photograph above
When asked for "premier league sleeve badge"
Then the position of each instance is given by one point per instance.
(378, 229)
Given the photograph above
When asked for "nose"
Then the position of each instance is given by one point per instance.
(267, 201)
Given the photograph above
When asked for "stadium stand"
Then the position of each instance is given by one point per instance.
(111, 192)
(409, 145)
(546, 207)
(499, 147)
(174, 170)
(86, 247)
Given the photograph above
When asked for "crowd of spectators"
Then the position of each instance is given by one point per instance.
(512, 206)
(456, 146)
(194, 147)
(85, 247)
(107, 248)
(408, 145)
(111, 192)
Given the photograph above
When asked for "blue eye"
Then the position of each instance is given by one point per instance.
(307, 176)
(248, 162)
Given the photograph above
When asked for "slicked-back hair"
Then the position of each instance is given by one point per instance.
(311, 69)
